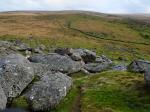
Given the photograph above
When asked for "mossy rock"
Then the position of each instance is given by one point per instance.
(20, 102)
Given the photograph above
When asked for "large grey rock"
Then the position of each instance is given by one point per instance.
(139, 66)
(96, 67)
(16, 73)
(47, 93)
(101, 63)
(78, 54)
(3, 99)
(58, 62)
(40, 69)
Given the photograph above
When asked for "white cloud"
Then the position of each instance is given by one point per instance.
(108, 6)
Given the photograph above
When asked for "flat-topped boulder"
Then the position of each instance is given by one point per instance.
(47, 93)
(58, 62)
(16, 73)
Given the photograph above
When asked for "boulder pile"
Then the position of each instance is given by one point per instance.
(42, 78)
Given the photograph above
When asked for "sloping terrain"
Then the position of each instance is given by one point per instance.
(122, 38)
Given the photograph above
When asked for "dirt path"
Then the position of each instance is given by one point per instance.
(77, 104)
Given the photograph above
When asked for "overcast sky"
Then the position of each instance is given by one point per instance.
(105, 6)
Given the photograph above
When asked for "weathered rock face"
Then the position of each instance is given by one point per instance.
(147, 75)
(40, 69)
(3, 99)
(58, 62)
(138, 66)
(16, 73)
(78, 54)
(49, 91)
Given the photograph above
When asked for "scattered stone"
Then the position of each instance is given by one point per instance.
(103, 59)
(47, 93)
(16, 73)
(3, 99)
(119, 68)
(58, 62)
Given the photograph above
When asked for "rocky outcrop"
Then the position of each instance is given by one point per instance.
(101, 63)
(49, 91)
(16, 73)
(58, 62)
(78, 54)
(3, 99)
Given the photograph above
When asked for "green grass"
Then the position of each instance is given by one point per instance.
(67, 103)
(109, 92)
(115, 92)
(20, 102)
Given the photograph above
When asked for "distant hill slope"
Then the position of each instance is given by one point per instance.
(119, 34)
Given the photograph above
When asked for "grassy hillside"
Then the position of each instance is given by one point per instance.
(108, 34)
(116, 36)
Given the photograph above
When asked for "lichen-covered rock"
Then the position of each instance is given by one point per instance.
(16, 73)
(3, 99)
(47, 93)
(58, 62)
(139, 66)
(40, 69)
